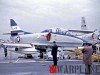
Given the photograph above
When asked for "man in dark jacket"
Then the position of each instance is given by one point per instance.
(5, 51)
(54, 53)
(94, 48)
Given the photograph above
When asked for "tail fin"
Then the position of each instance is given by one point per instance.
(83, 26)
(14, 26)
(16, 30)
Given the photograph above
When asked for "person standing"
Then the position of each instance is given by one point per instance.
(87, 57)
(5, 51)
(54, 53)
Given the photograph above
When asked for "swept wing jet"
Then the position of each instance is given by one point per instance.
(27, 43)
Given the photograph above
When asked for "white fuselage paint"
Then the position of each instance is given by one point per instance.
(58, 35)
(40, 37)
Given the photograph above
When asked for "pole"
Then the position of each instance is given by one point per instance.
(10, 57)
(98, 51)
(98, 54)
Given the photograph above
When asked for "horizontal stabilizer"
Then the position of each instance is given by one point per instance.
(6, 33)
(14, 33)
(81, 31)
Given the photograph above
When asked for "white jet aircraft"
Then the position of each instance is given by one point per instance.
(29, 43)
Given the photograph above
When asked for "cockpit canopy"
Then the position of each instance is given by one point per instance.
(47, 30)
(55, 30)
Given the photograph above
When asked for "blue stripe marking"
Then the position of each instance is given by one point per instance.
(66, 33)
(70, 36)
(27, 33)
(17, 31)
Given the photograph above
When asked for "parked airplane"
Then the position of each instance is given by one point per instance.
(84, 29)
(84, 33)
(28, 43)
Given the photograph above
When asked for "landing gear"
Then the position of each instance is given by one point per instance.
(5, 51)
(68, 57)
(41, 53)
(28, 56)
(16, 49)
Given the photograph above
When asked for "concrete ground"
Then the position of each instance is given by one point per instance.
(21, 66)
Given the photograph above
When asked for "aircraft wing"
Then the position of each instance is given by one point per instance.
(16, 45)
(81, 31)
(20, 48)
(60, 44)
(50, 44)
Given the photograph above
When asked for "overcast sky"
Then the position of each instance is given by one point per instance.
(37, 15)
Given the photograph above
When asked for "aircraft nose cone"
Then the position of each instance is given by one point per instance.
(79, 41)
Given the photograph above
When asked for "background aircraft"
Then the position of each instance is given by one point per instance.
(84, 33)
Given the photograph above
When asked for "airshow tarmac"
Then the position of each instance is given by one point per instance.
(21, 66)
